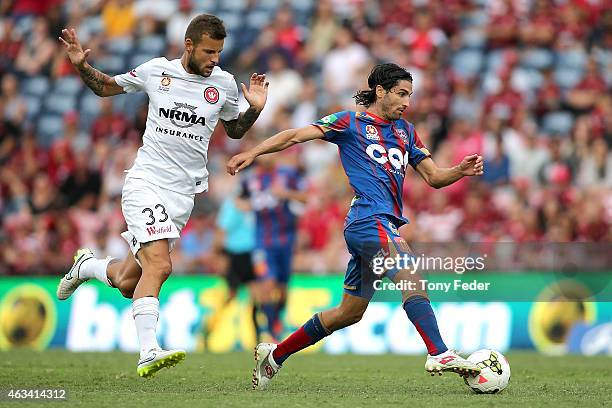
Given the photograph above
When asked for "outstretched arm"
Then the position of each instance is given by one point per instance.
(100, 83)
(256, 96)
(438, 177)
(276, 143)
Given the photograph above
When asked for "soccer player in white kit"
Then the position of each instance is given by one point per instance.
(187, 97)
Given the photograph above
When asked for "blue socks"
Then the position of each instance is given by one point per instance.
(269, 310)
(421, 314)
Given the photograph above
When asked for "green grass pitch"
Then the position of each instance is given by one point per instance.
(224, 380)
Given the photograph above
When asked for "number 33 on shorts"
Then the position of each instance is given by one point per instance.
(152, 212)
(163, 217)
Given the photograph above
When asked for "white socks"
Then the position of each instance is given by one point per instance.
(95, 268)
(146, 312)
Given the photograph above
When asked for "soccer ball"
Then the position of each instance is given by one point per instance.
(494, 374)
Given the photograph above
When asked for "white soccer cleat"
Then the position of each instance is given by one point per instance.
(450, 361)
(265, 366)
(157, 359)
(71, 281)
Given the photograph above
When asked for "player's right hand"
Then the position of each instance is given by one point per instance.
(239, 162)
(73, 47)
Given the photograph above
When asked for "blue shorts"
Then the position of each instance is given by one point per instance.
(274, 263)
(368, 239)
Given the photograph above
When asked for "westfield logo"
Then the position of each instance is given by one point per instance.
(158, 230)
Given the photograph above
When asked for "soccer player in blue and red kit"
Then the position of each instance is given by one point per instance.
(376, 147)
(273, 191)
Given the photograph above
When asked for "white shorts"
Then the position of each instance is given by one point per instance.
(152, 213)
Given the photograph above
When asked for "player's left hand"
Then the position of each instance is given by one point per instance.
(257, 92)
(472, 165)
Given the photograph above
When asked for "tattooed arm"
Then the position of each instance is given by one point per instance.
(256, 96)
(237, 128)
(100, 83)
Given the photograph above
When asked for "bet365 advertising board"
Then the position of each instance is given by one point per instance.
(195, 316)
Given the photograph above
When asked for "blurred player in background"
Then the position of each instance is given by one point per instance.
(376, 147)
(274, 191)
(187, 97)
(235, 236)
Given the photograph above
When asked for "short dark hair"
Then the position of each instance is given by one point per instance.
(386, 75)
(205, 24)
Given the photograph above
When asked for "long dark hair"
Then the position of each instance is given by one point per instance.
(386, 75)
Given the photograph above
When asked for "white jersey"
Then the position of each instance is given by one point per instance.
(183, 112)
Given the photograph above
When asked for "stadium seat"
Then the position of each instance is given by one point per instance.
(559, 122)
(494, 60)
(34, 104)
(257, 19)
(473, 38)
(526, 80)
(205, 6)
(49, 127)
(153, 44)
(35, 86)
(138, 59)
(24, 24)
(129, 103)
(71, 85)
(89, 109)
(89, 104)
(572, 59)
(537, 58)
(231, 20)
(567, 78)
(92, 25)
(111, 64)
(60, 104)
(120, 46)
(467, 63)
(269, 4)
(302, 8)
(235, 6)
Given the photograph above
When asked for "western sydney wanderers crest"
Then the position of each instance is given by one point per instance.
(371, 132)
(211, 94)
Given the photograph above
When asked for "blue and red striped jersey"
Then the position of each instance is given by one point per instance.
(276, 220)
(375, 154)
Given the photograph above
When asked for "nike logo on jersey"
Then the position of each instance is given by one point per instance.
(164, 73)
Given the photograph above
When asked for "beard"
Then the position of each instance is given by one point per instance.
(390, 110)
(191, 64)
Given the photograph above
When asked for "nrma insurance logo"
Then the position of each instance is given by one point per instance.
(182, 115)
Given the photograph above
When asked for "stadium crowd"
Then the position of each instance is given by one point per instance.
(525, 82)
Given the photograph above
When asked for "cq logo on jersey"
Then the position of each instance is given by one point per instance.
(211, 94)
(380, 155)
(182, 115)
